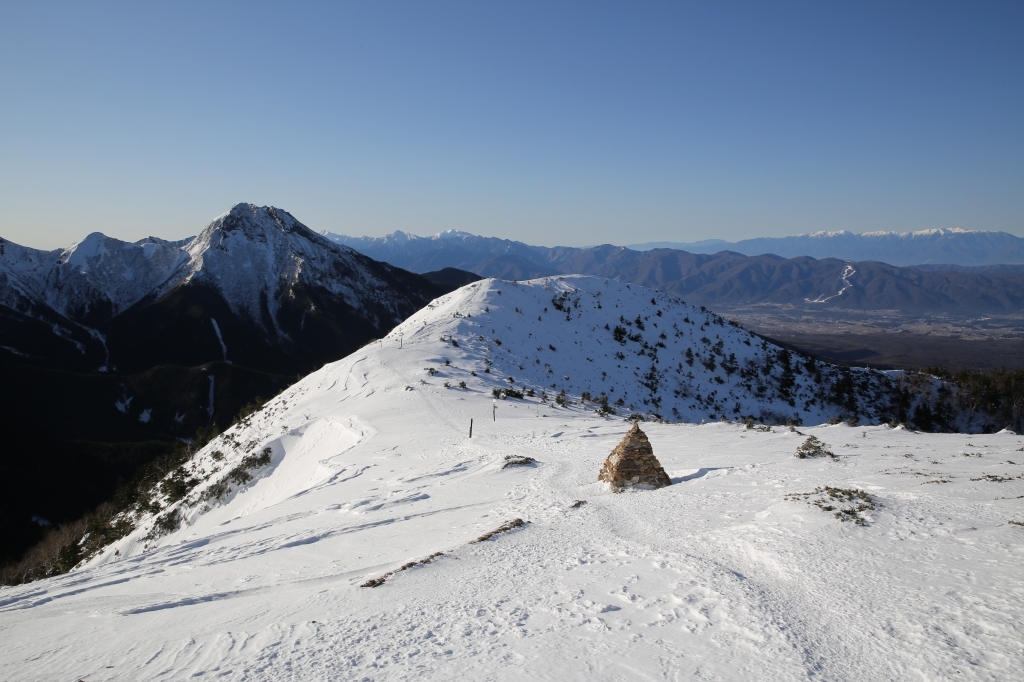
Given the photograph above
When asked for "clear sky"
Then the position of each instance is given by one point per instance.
(546, 122)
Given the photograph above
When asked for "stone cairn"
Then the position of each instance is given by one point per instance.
(632, 463)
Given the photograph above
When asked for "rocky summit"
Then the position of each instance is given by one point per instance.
(632, 463)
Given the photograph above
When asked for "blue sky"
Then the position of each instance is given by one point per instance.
(551, 123)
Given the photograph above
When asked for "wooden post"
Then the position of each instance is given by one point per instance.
(470, 428)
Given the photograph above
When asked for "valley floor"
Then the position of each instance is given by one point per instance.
(890, 338)
(717, 577)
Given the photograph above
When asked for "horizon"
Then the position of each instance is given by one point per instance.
(572, 124)
(630, 245)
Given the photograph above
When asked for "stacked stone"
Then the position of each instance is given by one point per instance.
(632, 463)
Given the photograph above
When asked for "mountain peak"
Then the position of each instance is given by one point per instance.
(252, 221)
(94, 246)
(455, 234)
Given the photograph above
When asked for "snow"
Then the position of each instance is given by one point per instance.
(106, 351)
(220, 339)
(95, 273)
(722, 576)
(881, 234)
(146, 415)
(85, 253)
(61, 332)
(123, 403)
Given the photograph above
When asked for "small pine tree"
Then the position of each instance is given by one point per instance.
(812, 447)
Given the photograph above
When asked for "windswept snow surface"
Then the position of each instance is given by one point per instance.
(720, 576)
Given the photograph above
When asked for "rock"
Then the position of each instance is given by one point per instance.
(632, 463)
(518, 461)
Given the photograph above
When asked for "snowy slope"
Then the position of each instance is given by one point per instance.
(729, 574)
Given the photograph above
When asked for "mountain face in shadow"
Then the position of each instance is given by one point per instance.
(450, 279)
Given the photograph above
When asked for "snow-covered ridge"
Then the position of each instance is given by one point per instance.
(647, 351)
(402, 238)
(882, 234)
(398, 247)
(99, 275)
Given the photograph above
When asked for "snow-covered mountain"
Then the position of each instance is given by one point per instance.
(258, 258)
(257, 558)
(953, 246)
(487, 256)
(254, 276)
(247, 253)
(91, 280)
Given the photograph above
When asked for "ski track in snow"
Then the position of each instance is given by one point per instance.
(848, 272)
(717, 577)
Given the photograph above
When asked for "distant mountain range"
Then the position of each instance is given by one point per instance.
(719, 280)
(954, 246)
(110, 351)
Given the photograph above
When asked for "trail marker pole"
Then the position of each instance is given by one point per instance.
(470, 428)
(494, 410)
